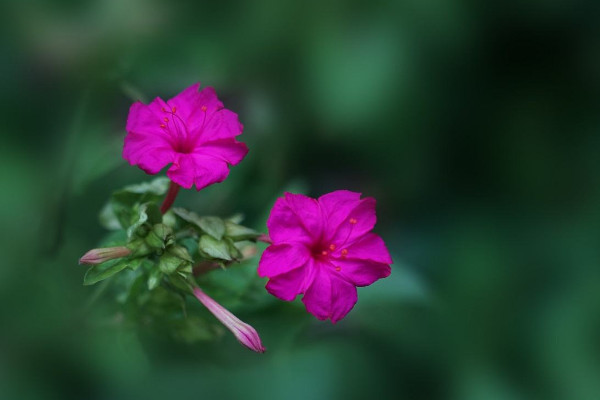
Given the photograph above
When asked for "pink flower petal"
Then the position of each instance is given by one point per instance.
(361, 272)
(337, 205)
(209, 170)
(308, 212)
(359, 220)
(200, 170)
(279, 259)
(147, 144)
(329, 296)
(183, 171)
(288, 285)
(285, 226)
(222, 124)
(196, 107)
(368, 247)
(229, 150)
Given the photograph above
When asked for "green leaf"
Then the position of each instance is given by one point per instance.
(124, 201)
(105, 270)
(214, 226)
(236, 218)
(154, 278)
(147, 212)
(156, 187)
(214, 248)
(239, 232)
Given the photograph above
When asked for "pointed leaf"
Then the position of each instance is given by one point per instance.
(154, 278)
(213, 226)
(214, 248)
(105, 270)
(239, 232)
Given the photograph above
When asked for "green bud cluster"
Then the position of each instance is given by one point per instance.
(164, 250)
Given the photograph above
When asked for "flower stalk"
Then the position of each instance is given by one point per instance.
(170, 197)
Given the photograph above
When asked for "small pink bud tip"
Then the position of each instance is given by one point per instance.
(243, 332)
(98, 256)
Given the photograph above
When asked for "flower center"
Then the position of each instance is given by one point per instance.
(182, 141)
(327, 251)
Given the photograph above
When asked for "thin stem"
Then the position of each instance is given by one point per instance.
(170, 197)
(265, 239)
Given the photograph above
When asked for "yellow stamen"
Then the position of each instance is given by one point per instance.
(166, 119)
(332, 247)
(353, 221)
(203, 108)
(174, 110)
(324, 252)
(163, 126)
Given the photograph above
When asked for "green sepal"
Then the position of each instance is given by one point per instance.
(139, 248)
(160, 236)
(169, 263)
(180, 282)
(180, 252)
(175, 259)
(213, 248)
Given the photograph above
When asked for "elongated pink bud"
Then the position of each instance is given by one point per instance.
(243, 332)
(98, 256)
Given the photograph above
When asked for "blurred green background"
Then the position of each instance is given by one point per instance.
(475, 125)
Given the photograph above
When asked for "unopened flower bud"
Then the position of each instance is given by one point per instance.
(98, 256)
(243, 332)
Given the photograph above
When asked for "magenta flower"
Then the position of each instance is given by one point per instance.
(192, 132)
(244, 333)
(323, 249)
